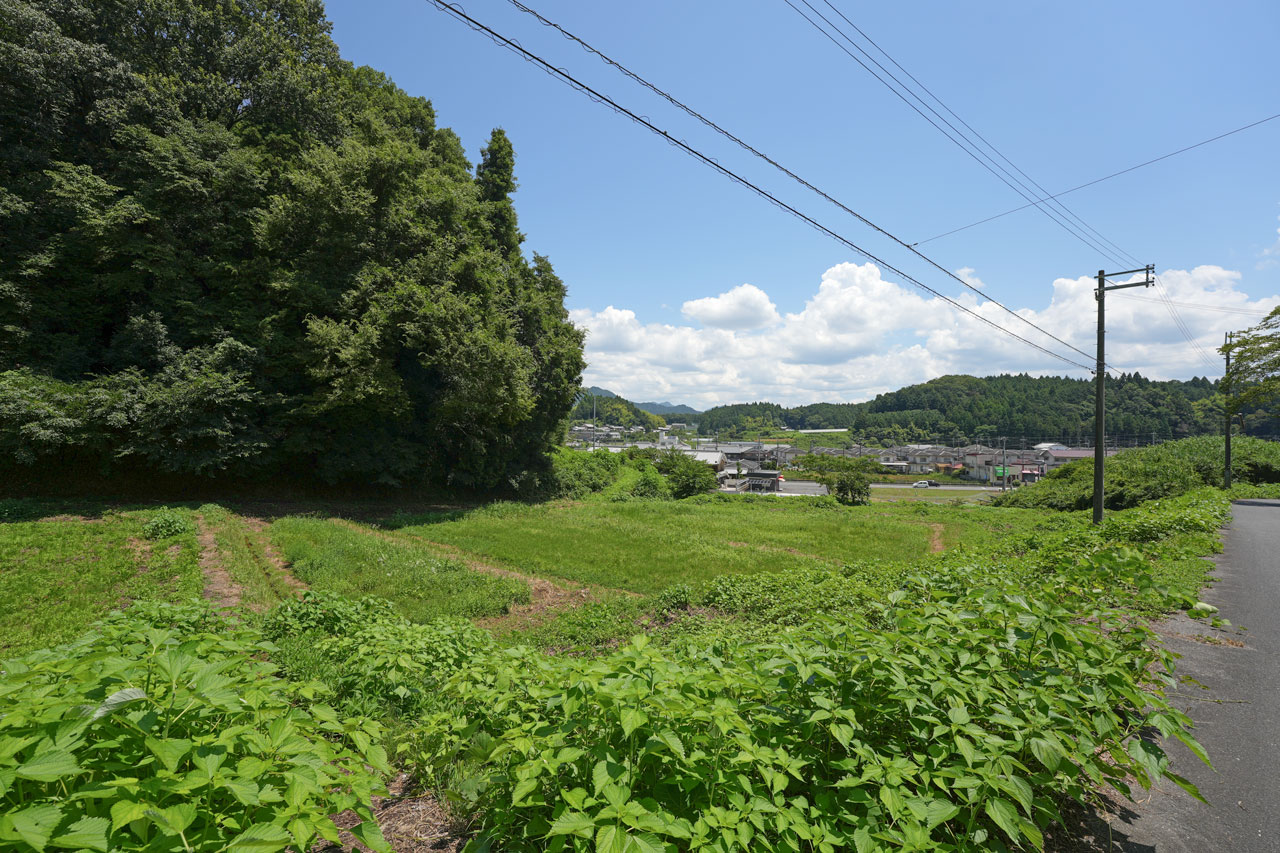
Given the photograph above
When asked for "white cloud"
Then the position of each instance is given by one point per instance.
(966, 275)
(742, 308)
(859, 335)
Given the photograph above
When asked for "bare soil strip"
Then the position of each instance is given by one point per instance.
(261, 544)
(219, 588)
(935, 541)
(409, 824)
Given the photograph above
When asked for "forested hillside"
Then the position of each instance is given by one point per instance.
(958, 409)
(226, 251)
(613, 409)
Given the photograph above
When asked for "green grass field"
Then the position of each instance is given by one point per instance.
(332, 557)
(645, 546)
(935, 496)
(57, 577)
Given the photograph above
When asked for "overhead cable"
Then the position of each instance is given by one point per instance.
(671, 99)
(593, 94)
(956, 136)
(1094, 181)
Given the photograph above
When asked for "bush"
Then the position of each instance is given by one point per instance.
(140, 738)
(961, 725)
(325, 613)
(1151, 473)
(576, 473)
(166, 523)
(686, 476)
(650, 484)
(394, 666)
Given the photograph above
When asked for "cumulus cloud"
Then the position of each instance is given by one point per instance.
(966, 274)
(859, 335)
(742, 308)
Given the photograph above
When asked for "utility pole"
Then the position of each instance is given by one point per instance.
(1226, 412)
(1004, 465)
(1100, 379)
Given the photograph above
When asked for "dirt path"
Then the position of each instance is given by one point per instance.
(545, 597)
(936, 544)
(219, 588)
(268, 551)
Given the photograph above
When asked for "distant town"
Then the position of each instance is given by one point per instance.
(750, 466)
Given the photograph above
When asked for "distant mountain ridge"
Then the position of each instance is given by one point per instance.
(667, 408)
(663, 408)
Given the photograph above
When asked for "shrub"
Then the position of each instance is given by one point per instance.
(576, 473)
(960, 725)
(686, 476)
(650, 484)
(392, 665)
(166, 523)
(325, 613)
(140, 738)
(1151, 473)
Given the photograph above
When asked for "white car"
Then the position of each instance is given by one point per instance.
(920, 484)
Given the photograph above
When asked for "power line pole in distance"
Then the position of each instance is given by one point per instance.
(1226, 413)
(1100, 379)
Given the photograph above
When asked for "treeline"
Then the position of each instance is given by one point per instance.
(225, 251)
(960, 409)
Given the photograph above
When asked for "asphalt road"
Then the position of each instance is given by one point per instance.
(1236, 711)
(948, 487)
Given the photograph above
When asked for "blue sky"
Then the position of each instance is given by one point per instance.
(694, 290)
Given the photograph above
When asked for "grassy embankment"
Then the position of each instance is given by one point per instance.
(58, 576)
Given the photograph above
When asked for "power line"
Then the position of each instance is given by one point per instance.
(596, 96)
(1063, 208)
(1178, 321)
(1096, 180)
(959, 139)
(1247, 312)
(746, 147)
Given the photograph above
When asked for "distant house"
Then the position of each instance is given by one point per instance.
(1057, 458)
(1050, 445)
(713, 458)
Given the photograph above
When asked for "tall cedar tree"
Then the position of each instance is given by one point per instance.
(226, 251)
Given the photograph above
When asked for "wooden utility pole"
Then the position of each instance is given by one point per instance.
(1100, 379)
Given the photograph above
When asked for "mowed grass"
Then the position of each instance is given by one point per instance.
(645, 546)
(58, 577)
(333, 557)
(934, 496)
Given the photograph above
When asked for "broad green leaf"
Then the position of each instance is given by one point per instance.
(573, 823)
(127, 811)
(175, 819)
(1046, 753)
(119, 699)
(370, 834)
(49, 766)
(645, 842)
(610, 839)
(88, 832)
(261, 838)
(523, 789)
(35, 824)
(632, 719)
(1005, 815)
(170, 751)
(1193, 745)
(1186, 785)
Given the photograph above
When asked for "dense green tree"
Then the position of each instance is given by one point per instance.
(685, 475)
(1254, 378)
(223, 249)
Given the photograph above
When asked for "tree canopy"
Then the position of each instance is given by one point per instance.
(226, 251)
(1254, 376)
(962, 409)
